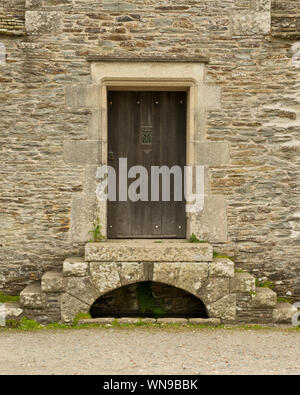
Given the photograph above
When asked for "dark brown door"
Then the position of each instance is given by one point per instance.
(149, 129)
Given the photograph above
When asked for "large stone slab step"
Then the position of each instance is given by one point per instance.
(148, 251)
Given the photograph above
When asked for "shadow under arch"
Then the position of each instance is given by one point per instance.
(148, 299)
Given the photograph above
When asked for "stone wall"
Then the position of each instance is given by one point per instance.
(286, 18)
(12, 17)
(259, 118)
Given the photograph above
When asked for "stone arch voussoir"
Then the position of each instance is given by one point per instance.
(201, 279)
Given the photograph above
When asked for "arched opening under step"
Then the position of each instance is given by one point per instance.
(148, 299)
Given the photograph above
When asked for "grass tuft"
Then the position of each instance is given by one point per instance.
(8, 298)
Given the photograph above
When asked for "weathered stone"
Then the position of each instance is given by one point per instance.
(131, 272)
(221, 267)
(52, 282)
(247, 97)
(212, 153)
(152, 69)
(82, 289)
(205, 321)
(148, 320)
(192, 276)
(13, 310)
(125, 18)
(216, 288)
(98, 321)
(264, 297)
(2, 315)
(172, 320)
(32, 297)
(117, 5)
(105, 276)
(209, 97)
(70, 307)
(42, 21)
(283, 313)
(242, 283)
(75, 266)
(224, 308)
(248, 23)
(90, 182)
(166, 272)
(83, 211)
(211, 223)
(147, 251)
(263, 5)
(128, 320)
(82, 96)
(79, 152)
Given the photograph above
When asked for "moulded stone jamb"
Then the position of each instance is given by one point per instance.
(189, 76)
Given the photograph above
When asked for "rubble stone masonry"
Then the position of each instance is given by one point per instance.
(252, 59)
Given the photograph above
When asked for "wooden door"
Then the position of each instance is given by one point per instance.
(149, 129)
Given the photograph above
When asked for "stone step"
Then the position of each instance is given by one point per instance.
(242, 282)
(148, 251)
(52, 282)
(283, 313)
(264, 297)
(221, 267)
(32, 296)
(75, 266)
(13, 310)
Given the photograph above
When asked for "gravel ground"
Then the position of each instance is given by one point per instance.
(150, 351)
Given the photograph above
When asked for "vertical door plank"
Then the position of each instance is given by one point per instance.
(163, 115)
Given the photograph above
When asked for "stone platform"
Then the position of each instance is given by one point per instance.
(229, 296)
